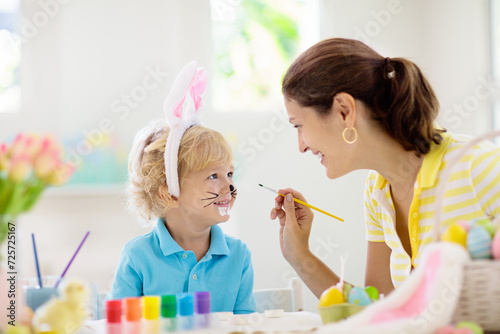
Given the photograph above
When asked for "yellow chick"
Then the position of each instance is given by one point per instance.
(63, 315)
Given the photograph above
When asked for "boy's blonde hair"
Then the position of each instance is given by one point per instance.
(199, 148)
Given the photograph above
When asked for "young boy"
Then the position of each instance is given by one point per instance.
(187, 250)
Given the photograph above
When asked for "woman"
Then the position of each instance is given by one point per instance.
(358, 110)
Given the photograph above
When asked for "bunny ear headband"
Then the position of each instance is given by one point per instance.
(182, 108)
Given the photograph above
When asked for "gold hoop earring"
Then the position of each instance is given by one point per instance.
(355, 136)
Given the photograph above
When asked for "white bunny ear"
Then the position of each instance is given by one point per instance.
(178, 93)
(182, 109)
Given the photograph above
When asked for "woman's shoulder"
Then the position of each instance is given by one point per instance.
(484, 147)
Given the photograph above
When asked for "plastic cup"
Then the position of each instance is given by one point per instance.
(36, 297)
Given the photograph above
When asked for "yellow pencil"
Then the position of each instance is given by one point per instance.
(303, 203)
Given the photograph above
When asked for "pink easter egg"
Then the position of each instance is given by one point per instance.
(495, 246)
(446, 330)
(465, 224)
(464, 330)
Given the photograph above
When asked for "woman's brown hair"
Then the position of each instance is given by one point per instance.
(396, 92)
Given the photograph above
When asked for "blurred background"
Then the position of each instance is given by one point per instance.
(94, 72)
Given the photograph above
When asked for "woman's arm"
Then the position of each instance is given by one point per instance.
(295, 227)
(315, 273)
(378, 272)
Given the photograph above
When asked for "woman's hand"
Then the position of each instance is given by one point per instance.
(295, 225)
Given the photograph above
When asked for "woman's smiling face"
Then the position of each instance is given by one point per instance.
(320, 135)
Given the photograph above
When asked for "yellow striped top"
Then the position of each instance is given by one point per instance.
(473, 191)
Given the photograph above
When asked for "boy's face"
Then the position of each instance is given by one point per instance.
(208, 195)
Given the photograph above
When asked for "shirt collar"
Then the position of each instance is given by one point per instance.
(432, 161)
(218, 244)
(168, 246)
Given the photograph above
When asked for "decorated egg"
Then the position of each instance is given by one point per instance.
(455, 233)
(359, 296)
(372, 292)
(479, 243)
(346, 289)
(446, 330)
(472, 326)
(466, 224)
(495, 246)
(331, 296)
(484, 223)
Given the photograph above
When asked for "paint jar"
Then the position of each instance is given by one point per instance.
(186, 312)
(203, 315)
(114, 316)
(150, 314)
(168, 321)
(132, 313)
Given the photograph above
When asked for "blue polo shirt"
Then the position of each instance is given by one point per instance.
(154, 264)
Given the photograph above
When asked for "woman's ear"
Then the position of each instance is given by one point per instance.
(344, 106)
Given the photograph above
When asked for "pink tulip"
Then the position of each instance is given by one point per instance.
(31, 146)
(3, 157)
(61, 174)
(20, 168)
(17, 146)
(44, 164)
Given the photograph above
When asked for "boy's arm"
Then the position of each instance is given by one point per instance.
(127, 281)
(245, 301)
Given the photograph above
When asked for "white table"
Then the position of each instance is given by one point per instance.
(290, 322)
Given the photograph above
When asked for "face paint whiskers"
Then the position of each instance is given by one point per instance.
(210, 198)
(224, 210)
(234, 191)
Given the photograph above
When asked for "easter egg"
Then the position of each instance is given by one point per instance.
(475, 328)
(372, 292)
(466, 224)
(479, 243)
(331, 296)
(455, 233)
(359, 296)
(495, 246)
(484, 223)
(346, 289)
(446, 330)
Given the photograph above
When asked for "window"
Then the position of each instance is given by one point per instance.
(10, 56)
(254, 41)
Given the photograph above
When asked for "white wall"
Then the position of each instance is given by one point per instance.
(91, 52)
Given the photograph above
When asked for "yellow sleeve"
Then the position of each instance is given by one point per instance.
(374, 229)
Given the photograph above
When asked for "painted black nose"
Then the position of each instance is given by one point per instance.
(231, 188)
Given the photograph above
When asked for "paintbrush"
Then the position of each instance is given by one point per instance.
(304, 203)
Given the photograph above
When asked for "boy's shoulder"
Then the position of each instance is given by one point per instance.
(234, 243)
(141, 240)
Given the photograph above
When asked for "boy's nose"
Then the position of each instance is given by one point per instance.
(231, 188)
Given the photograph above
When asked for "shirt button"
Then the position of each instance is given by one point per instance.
(415, 215)
(195, 277)
(413, 239)
(184, 255)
